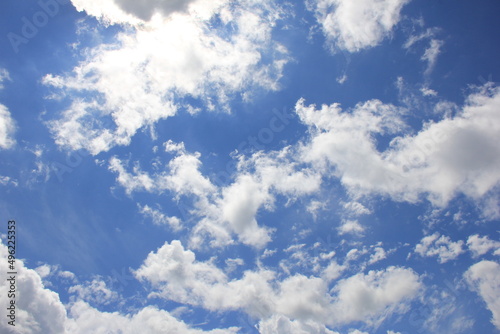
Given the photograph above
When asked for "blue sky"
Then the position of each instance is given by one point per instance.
(251, 166)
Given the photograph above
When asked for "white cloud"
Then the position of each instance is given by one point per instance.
(66, 275)
(95, 291)
(240, 204)
(232, 264)
(175, 274)
(144, 12)
(440, 246)
(356, 209)
(298, 303)
(43, 270)
(139, 180)
(279, 324)
(455, 155)
(48, 272)
(314, 207)
(483, 277)
(135, 82)
(415, 38)
(491, 206)
(172, 147)
(351, 227)
(446, 157)
(482, 245)
(149, 320)
(379, 255)
(441, 311)
(273, 173)
(7, 124)
(159, 218)
(182, 177)
(268, 253)
(364, 257)
(356, 25)
(344, 140)
(6, 180)
(145, 9)
(354, 254)
(357, 331)
(462, 324)
(294, 248)
(333, 271)
(185, 177)
(257, 182)
(426, 91)
(39, 310)
(107, 11)
(372, 297)
(304, 298)
(231, 209)
(4, 75)
(342, 79)
(431, 54)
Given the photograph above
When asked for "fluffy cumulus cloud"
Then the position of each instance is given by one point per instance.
(7, 124)
(208, 52)
(259, 180)
(484, 278)
(279, 324)
(7, 128)
(372, 296)
(356, 25)
(39, 310)
(145, 9)
(447, 157)
(481, 245)
(292, 304)
(141, 12)
(455, 155)
(440, 246)
(379, 255)
(182, 176)
(176, 275)
(352, 227)
(149, 320)
(221, 211)
(95, 291)
(356, 209)
(297, 302)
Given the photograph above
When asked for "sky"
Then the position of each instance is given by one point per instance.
(251, 166)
